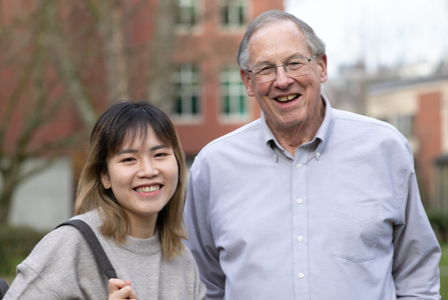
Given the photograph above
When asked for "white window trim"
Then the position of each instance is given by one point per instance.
(233, 91)
(196, 29)
(188, 117)
(233, 27)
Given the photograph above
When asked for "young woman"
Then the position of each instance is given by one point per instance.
(131, 192)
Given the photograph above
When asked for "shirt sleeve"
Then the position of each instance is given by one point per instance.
(200, 290)
(417, 252)
(200, 236)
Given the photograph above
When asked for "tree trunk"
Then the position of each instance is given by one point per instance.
(116, 60)
(161, 56)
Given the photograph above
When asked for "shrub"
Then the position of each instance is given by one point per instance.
(439, 222)
(16, 244)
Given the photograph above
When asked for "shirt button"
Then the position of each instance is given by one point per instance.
(300, 201)
(317, 154)
(300, 238)
(299, 166)
(301, 275)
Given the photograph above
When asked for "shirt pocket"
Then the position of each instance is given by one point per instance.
(356, 230)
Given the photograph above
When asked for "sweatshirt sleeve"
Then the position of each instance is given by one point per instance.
(28, 285)
(61, 266)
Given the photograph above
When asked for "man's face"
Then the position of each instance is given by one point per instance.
(287, 102)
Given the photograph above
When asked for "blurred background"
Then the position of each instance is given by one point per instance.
(62, 63)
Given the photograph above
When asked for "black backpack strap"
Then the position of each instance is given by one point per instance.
(94, 243)
(3, 288)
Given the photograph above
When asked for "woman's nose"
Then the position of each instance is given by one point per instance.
(147, 169)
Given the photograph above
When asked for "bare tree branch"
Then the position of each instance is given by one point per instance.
(68, 71)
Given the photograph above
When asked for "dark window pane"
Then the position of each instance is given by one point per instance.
(226, 104)
(225, 15)
(242, 104)
(178, 105)
(194, 105)
(241, 15)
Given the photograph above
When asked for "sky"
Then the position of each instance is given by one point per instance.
(381, 32)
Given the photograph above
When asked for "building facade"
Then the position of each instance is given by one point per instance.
(206, 97)
(418, 108)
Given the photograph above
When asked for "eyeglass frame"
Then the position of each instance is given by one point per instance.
(281, 65)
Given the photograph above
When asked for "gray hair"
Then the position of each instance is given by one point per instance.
(317, 46)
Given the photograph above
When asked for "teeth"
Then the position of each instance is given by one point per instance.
(286, 98)
(147, 189)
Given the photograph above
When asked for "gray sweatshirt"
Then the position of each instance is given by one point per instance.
(62, 266)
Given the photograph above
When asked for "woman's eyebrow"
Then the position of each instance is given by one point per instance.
(155, 148)
(122, 151)
(158, 147)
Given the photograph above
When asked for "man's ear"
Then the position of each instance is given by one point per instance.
(322, 63)
(245, 77)
(105, 181)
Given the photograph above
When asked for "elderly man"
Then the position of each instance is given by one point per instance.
(307, 202)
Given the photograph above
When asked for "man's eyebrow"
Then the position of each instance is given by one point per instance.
(266, 62)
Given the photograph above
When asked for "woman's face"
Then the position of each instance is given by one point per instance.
(143, 176)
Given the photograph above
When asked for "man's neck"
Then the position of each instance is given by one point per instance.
(291, 138)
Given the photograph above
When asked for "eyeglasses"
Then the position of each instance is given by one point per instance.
(294, 67)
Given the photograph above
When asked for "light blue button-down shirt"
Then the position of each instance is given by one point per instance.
(340, 219)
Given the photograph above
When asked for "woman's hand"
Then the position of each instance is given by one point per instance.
(119, 289)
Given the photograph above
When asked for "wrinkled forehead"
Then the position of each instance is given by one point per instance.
(278, 39)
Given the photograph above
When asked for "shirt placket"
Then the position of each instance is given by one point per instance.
(300, 223)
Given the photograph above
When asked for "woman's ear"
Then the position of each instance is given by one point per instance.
(105, 181)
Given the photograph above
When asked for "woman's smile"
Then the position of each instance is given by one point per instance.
(143, 176)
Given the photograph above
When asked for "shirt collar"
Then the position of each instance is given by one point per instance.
(323, 134)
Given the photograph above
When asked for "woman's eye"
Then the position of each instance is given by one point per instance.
(128, 159)
(160, 154)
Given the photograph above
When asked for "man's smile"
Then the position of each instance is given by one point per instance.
(288, 98)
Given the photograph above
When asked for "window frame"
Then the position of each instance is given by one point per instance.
(186, 80)
(233, 91)
(231, 24)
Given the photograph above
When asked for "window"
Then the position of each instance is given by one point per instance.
(233, 93)
(233, 13)
(186, 80)
(186, 12)
(405, 124)
(441, 203)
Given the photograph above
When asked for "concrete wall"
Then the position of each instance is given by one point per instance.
(46, 199)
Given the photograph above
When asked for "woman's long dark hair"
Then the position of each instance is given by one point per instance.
(122, 122)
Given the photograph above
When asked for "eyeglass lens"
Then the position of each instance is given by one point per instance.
(294, 67)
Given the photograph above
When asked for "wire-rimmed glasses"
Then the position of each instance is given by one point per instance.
(295, 66)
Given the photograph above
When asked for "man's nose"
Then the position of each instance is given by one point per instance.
(282, 80)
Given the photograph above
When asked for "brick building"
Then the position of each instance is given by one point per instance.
(207, 99)
(418, 108)
(212, 99)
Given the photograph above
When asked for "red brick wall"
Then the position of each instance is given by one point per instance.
(428, 130)
(213, 49)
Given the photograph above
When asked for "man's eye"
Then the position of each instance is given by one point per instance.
(294, 65)
(263, 70)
